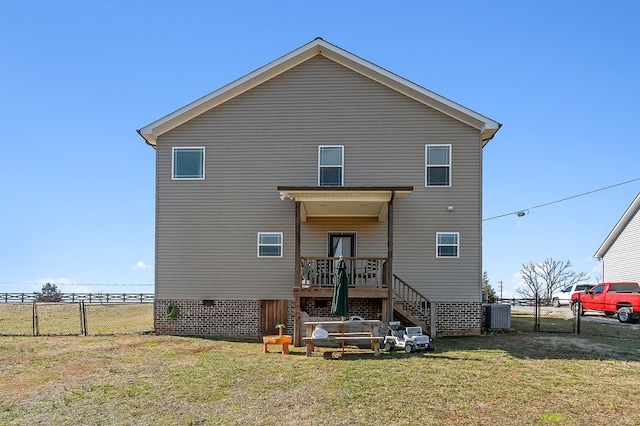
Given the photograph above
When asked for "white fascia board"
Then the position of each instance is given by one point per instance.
(487, 126)
(617, 230)
(151, 131)
(351, 195)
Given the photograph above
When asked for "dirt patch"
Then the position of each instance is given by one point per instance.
(564, 344)
(32, 376)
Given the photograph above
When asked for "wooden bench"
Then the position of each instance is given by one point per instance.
(341, 337)
(283, 340)
(352, 333)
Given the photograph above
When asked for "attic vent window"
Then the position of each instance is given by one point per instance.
(188, 163)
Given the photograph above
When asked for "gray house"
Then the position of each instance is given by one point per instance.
(263, 184)
(620, 251)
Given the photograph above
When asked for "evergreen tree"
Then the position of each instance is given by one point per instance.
(487, 290)
(49, 293)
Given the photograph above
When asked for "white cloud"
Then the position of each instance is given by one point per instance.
(141, 265)
(56, 281)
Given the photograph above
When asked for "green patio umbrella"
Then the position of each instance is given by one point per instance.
(340, 302)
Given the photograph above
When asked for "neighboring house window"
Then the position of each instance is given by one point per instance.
(269, 244)
(447, 244)
(438, 165)
(330, 165)
(188, 163)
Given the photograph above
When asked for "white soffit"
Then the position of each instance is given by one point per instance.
(343, 202)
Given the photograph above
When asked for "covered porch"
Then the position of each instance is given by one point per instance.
(369, 277)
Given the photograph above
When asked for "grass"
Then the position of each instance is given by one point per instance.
(65, 319)
(498, 379)
(612, 333)
(16, 319)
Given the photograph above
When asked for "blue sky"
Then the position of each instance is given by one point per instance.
(78, 79)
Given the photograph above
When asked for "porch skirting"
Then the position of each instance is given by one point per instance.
(241, 318)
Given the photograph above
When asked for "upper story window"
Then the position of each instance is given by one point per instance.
(447, 244)
(269, 244)
(438, 165)
(188, 163)
(331, 165)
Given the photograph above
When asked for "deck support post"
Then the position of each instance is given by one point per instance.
(389, 277)
(297, 279)
(433, 318)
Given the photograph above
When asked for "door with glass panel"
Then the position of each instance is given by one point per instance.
(342, 244)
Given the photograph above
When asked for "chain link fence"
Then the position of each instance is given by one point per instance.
(599, 324)
(537, 315)
(75, 315)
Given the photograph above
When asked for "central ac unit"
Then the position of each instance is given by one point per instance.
(497, 316)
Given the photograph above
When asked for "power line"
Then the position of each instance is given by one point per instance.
(82, 285)
(522, 212)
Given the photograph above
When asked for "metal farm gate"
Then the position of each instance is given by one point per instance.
(59, 319)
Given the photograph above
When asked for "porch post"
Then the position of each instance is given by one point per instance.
(298, 277)
(389, 313)
(297, 245)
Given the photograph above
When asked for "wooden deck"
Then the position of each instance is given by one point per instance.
(362, 272)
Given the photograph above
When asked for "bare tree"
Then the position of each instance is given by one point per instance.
(543, 278)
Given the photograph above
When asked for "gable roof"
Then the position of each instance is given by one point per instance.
(617, 230)
(487, 126)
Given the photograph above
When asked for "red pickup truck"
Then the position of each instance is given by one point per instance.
(623, 298)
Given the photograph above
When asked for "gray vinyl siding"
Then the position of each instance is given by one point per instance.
(268, 136)
(371, 236)
(622, 260)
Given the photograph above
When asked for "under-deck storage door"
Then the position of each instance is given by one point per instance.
(272, 313)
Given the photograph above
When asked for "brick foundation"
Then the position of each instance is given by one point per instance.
(458, 318)
(365, 308)
(218, 318)
(241, 318)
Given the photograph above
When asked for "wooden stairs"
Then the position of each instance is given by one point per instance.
(410, 306)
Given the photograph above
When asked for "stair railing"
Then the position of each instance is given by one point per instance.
(416, 302)
(412, 297)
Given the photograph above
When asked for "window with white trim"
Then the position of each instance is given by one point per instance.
(187, 163)
(269, 244)
(447, 244)
(437, 165)
(330, 165)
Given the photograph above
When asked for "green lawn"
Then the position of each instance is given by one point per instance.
(499, 379)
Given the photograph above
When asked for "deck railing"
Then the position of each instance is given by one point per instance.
(363, 272)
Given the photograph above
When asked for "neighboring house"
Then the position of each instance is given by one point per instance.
(620, 251)
(264, 183)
